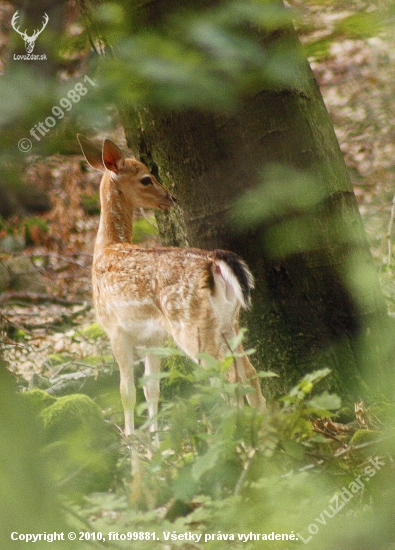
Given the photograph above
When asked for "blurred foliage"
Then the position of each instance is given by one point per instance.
(205, 58)
(28, 500)
(351, 20)
(91, 203)
(224, 470)
(81, 448)
(144, 228)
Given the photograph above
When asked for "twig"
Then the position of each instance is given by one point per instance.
(58, 257)
(64, 258)
(35, 297)
(339, 454)
(7, 321)
(247, 466)
(326, 434)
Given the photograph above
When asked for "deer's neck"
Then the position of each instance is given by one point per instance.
(116, 216)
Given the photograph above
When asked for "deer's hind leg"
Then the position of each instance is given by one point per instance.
(243, 371)
(215, 342)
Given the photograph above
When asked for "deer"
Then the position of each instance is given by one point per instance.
(144, 295)
(30, 41)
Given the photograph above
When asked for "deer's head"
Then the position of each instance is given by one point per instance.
(129, 177)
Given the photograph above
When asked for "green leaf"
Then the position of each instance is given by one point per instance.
(206, 462)
(294, 449)
(185, 485)
(154, 376)
(326, 401)
(160, 352)
(210, 362)
(360, 25)
(267, 374)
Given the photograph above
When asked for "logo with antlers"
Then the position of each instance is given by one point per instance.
(29, 40)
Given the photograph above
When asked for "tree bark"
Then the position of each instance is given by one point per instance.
(305, 314)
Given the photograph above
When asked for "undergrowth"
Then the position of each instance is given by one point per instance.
(225, 475)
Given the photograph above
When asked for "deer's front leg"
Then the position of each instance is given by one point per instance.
(151, 392)
(122, 347)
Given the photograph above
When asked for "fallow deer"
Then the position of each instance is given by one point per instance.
(143, 295)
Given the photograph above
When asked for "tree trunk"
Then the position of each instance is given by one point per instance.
(306, 314)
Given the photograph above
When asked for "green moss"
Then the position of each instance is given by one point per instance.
(28, 500)
(38, 400)
(81, 446)
(92, 331)
(363, 436)
(57, 358)
(70, 413)
(93, 360)
(20, 334)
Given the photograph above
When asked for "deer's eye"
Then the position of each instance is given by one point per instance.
(146, 180)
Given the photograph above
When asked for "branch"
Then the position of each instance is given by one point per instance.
(35, 297)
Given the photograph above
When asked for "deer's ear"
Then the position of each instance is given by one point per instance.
(92, 152)
(113, 158)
